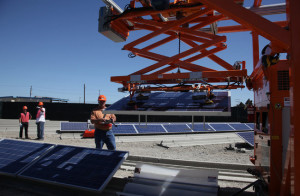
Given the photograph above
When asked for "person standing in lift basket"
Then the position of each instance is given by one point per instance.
(24, 122)
(40, 121)
(103, 125)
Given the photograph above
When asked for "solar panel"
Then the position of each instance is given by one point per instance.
(84, 168)
(173, 103)
(247, 136)
(150, 129)
(239, 126)
(80, 126)
(221, 127)
(199, 127)
(124, 129)
(251, 125)
(16, 155)
(179, 128)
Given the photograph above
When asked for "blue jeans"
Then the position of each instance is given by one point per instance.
(106, 137)
(40, 130)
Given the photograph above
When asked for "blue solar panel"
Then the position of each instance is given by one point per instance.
(173, 101)
(177, 128)
(247, 136)
(221, 126)
(81, 126)
(124, 129)
(15, 155)
(199, 127)
(251, 125)
(150, 129)
(84, 168)
(240, 126)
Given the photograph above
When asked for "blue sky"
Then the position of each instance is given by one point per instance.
(54, 46)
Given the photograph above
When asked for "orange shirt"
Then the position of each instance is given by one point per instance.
(98, 114)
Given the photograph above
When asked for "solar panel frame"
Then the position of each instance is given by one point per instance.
(216, 126)
(117, 132)
(38, 150)
(199, 127)
(73, 126)
(168, 128)
(141, 129)
(239, 126)
(250, 125)
(245, 137)
(75, 183)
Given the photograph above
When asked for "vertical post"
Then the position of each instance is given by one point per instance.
(30, 91)
(84, 93)
(193, 122)
(203, 122)
(139, 120)
(146, 119)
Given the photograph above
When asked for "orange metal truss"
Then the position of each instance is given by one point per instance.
(206, 44)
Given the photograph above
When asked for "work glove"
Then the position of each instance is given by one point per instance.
(20, 124)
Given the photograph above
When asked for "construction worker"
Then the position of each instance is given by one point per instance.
(24, 122)
(103, 125)
(40, 121)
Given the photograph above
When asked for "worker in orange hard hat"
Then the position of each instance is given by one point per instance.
(24, 122)
(103, 125)
(40, 120)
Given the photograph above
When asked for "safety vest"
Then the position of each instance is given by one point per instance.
(25, 117)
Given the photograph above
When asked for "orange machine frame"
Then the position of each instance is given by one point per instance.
(201, 13)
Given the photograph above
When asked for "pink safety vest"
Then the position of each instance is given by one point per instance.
(25, 118)
(39, 114)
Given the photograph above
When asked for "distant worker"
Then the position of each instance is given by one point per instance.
(40, 120)
(103, 125)
(24, 122)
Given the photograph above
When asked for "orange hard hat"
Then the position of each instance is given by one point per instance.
(24, 107)
(41, 103)
(101, 98)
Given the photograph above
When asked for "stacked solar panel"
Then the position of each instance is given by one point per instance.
(83, 168)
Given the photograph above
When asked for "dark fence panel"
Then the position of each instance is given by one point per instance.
(81, 113)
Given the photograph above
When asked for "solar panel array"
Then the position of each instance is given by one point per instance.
(247, 137)
(15, 155)
(173, 101)
(83, 168)
(153, 128)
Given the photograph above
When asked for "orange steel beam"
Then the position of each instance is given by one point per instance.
(181, 55)
(223, 75)
(294, 7)
(253, 21)
(152, 28)
(240, 28)
(137, 13)
(190, 88)
(210, 54)
(255, 49)
(190, 31)
(184, 64)
(166, 28)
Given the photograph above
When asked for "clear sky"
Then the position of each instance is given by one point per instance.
(54, 46)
